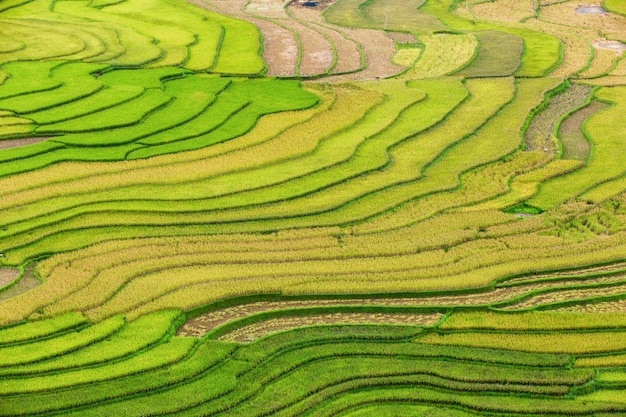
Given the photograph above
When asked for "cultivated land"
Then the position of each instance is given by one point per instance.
(346, 208)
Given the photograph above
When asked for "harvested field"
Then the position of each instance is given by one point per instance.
(575, 144)
(280, 48)
(27, 282)
(267, 327)
(7, 275)
(540, 132)
(16, 143)
(597, 307)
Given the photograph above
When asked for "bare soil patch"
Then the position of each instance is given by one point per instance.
(26, 283)
(280, 49)
(7, 275)
(402, 37)
(347, 50)
(378, 50)
(317, 53)
(618, 306)
(16, 143)
(258, 330)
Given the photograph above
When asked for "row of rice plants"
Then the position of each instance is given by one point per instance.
(38, 350)
(197, 367)
(321, 154)
(64, 179)
(490, 258)
(153, 112)
(490, 143)
(476, 404)
(511, 242)
(570, 342)
(136, 337)
(442, 54)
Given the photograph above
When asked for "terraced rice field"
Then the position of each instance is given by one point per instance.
(339, 208)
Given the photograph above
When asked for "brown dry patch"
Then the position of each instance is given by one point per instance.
(265, 8)
(575, 144)
(26, 283)
(571, 294)
(280, 49)
(402, 37)
(201, 325)
(16, 143)
(7, 275)
(348, 55)
(572, 273)
(618, 306)
(538, 136)
(608, 81)
(317, 54)
(378, 50)
(267, 327)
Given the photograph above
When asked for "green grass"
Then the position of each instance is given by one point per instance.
(126, 114)
(26, 78)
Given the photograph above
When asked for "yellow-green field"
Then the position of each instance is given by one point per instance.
(339, 208)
